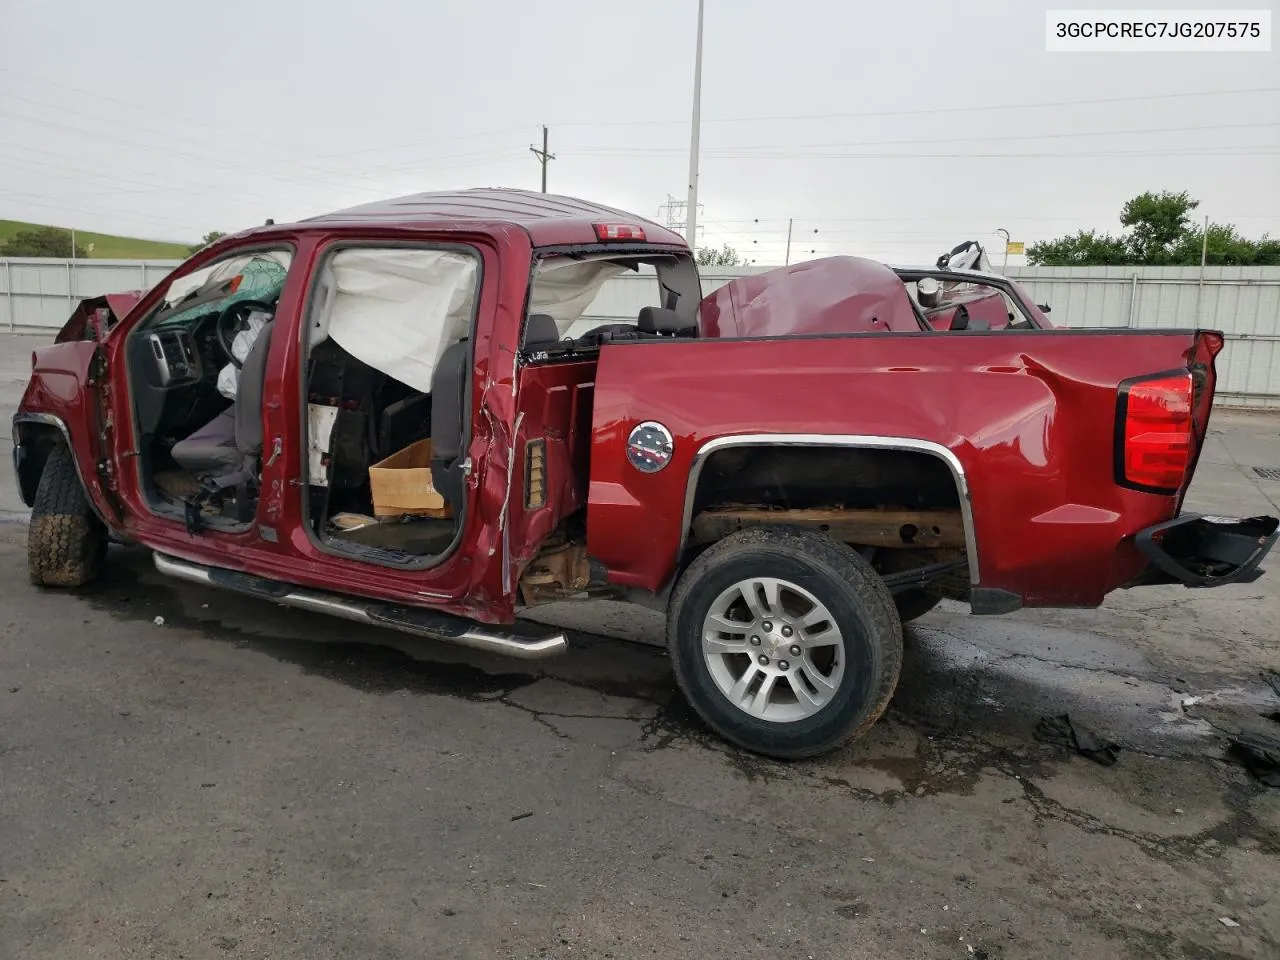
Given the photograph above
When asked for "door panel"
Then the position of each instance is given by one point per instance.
(555, 403)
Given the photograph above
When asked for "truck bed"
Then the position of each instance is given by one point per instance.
(1026, 420)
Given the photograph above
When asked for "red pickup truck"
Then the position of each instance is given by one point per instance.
(381, 414)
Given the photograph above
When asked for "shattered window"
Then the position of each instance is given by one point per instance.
(259, 276)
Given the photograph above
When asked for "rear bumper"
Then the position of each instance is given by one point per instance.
(1202, 551)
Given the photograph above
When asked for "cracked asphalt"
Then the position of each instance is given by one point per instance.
(246, 781)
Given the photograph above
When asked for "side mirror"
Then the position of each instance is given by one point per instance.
(1043, 307)
(960, 319)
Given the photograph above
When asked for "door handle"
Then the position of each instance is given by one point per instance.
(275, 452)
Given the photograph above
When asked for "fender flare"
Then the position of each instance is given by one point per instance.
(49, 420)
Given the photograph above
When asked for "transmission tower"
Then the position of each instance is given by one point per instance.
(675, 215)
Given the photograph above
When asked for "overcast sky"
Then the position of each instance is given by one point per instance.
(166, 120)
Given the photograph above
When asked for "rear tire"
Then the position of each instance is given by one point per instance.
(66, 542)
(809, 665)
(914, 604)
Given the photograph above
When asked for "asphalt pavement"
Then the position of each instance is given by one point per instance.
(186, 773)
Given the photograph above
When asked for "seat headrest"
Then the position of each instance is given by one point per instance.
(663, 321)
(540, 330)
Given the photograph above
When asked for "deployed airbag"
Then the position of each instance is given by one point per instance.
(564, 288)
(398, 310)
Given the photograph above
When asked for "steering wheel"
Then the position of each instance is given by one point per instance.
(225, 332)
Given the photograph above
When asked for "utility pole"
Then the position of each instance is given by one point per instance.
(790, 221)
(691, 214)
(1204, 255)
(543, 157)
(73, 243)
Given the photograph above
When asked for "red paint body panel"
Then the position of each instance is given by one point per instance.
(59, 387)
(1030, 416)
(831, 295)
(106, 311)
(556, 402)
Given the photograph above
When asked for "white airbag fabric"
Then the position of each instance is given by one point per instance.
(241, 344)
(563, 289)
(399, 310)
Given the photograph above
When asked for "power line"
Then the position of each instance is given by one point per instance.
(984, 216)
(929, 110)
(98, 97)
(1230, 151)
(676, 151)
(293, 179)
(42, 201)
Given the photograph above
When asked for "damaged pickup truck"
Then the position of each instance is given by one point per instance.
(416, 414)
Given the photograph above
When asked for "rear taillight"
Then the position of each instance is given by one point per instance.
(1155, 433)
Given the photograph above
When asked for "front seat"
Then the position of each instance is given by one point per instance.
(225, 447)
(448, 403)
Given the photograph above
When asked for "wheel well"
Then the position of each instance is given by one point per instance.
(802, 478)
(787, 484)
(37, 440)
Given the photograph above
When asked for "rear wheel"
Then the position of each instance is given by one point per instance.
(66, 542)
(913, 604)
(916, 602)
(785, 642)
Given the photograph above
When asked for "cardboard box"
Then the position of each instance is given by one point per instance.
(401, 484)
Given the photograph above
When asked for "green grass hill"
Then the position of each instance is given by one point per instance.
(108, 247)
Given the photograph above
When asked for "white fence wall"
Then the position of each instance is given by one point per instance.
(39, 292)
(1243, 302)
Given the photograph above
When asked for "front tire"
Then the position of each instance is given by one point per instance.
(66, 542)
(786, 642)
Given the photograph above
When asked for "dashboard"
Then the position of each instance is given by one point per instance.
(182, 356)
(177, 361)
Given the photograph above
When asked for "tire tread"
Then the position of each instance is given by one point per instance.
(835, 559)
(66, 542)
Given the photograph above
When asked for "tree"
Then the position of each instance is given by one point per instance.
(1226, 248)
(1160, 233)
(1085, 249)
(726, 256)
(208, 238)
(1157, 222)
(41, 242)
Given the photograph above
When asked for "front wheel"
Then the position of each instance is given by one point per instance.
(786, 642)
(66, 542)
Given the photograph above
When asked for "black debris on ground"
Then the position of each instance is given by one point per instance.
(1273, 680)
(1064, 732)
(1259, 755)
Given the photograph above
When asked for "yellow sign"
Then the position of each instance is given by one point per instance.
(1014, 246)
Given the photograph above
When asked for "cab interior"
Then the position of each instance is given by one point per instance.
(386, 358)
(196, 385)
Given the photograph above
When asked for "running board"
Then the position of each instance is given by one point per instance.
(530, 643)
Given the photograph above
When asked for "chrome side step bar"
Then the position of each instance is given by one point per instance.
(530, 643)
